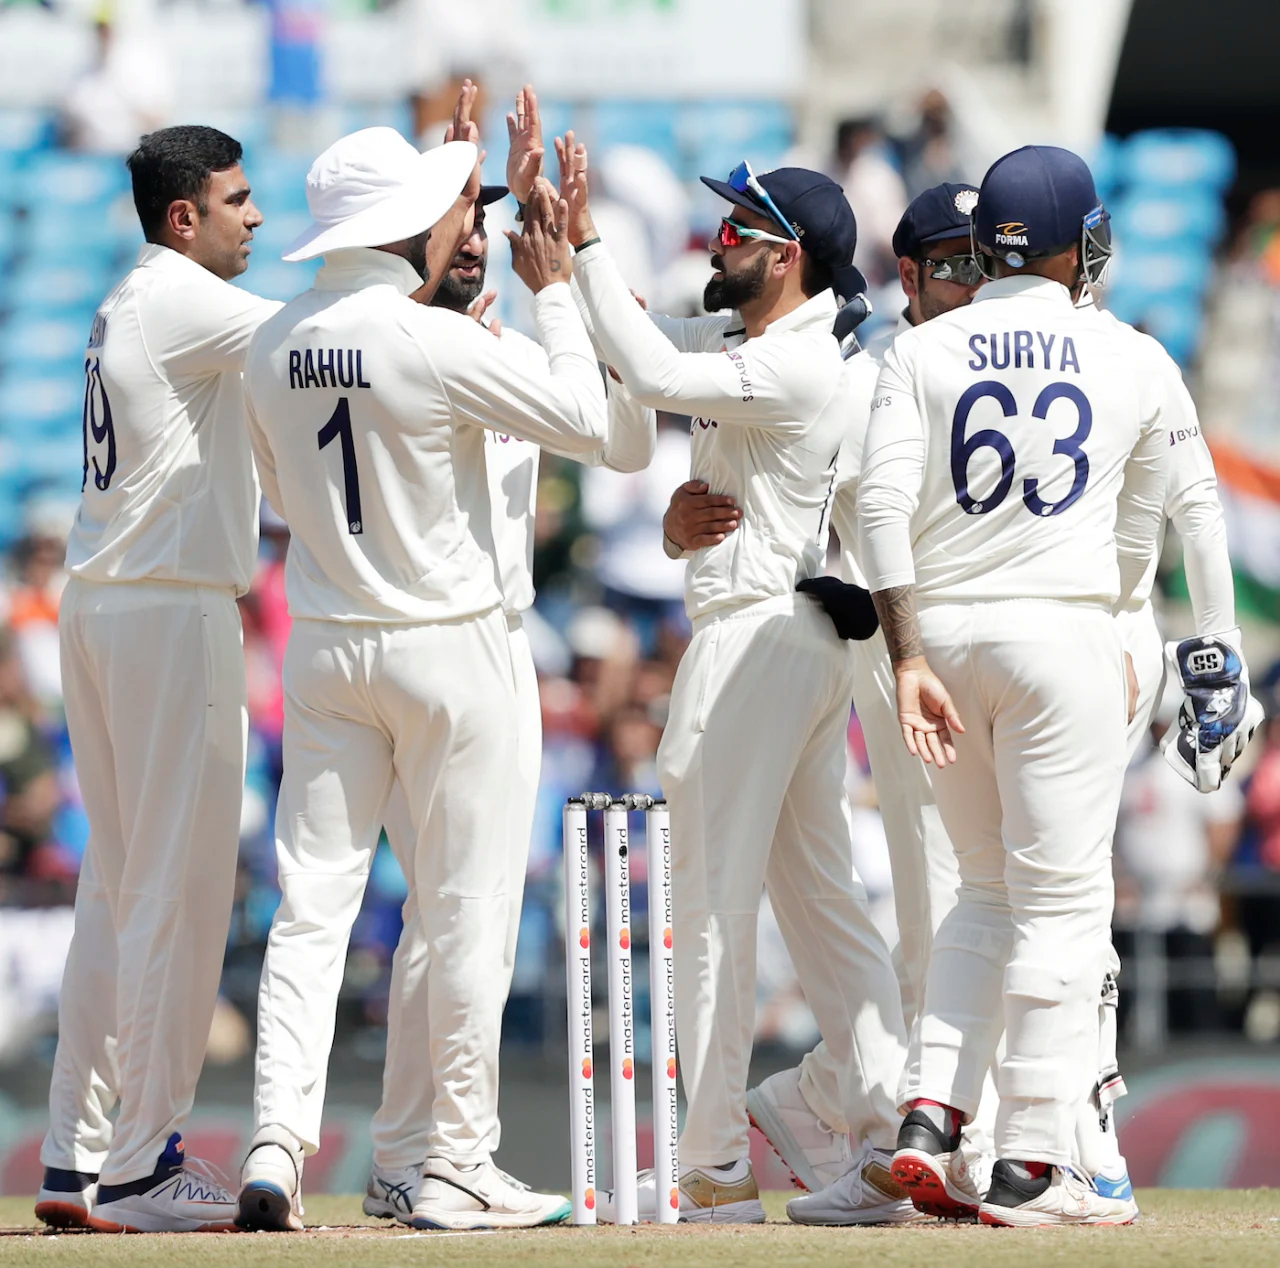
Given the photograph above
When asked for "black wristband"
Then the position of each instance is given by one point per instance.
(520, 213)
(582, 246)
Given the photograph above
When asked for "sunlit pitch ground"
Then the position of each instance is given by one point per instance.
(1239, 1228)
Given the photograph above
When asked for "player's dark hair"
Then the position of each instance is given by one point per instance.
(176, 163)
(815, 276)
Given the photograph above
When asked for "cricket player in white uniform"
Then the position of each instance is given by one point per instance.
(760, 703)
(938, 274)
(399, 661)
(1013, 484)
(1192, 508)
(402, 1124)
(153, 673)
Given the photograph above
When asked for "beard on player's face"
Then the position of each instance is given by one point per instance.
(464, 282)
(741, 286)
(416, 254)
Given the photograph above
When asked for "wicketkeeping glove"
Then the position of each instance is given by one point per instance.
(1218, 716)
(849, 607)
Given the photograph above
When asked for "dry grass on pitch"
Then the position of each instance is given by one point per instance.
(1234, 1228)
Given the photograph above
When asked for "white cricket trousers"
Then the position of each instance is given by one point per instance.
(402, 1125)
(1030, 806)
(154, 682)
(365, 704)
(754, 749)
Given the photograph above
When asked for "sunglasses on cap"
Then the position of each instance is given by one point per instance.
(961, 269)
(733, 234)
(743, 180)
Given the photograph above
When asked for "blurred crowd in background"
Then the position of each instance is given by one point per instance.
(1198, 878)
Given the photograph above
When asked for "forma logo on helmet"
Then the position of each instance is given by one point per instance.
(1037, 203)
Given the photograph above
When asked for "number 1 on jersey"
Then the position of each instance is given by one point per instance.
(339, 424)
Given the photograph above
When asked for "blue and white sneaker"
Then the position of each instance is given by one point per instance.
(182, 1195)
(391, 1191)
(66, 1197)
(1118, 1190)
(271, 1183)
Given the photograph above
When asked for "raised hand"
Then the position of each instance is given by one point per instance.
(540, 255)
(524, 157)
(462, 128)
(573, 188)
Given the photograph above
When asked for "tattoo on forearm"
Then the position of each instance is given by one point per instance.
(896, 608)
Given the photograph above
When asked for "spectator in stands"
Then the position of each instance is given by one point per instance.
(1171, 844)
(28, 785)
(40, 576)
(126, 92)
(875, 191)
(1259, 910)
(931, 153)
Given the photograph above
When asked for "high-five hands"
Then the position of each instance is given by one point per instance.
(524, 157)
(462, 128)
(573, 188)
(540, 255)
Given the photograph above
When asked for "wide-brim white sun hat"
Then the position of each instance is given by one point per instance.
(372, 187)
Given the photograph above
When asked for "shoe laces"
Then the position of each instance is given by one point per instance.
(217, 1181)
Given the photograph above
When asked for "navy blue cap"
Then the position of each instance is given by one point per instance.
(1034, 201)
(491, 194)
(941, 212)
(814, 206)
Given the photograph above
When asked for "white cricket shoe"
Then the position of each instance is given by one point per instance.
(480, 1196)
(934, 1171)
(708, 1195)
(1060, 1197)
(816, 1155)
(66, 1198)
(866, 1194)
(391, 1191)
(271, 1183)
(180, 1196)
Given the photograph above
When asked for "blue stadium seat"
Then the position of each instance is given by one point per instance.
(722, 134)
(57, 460)
(8, 237)
(1177, 325)
(43, 341)
(279, 182)
(654, 124)
(22, 131)
(38, 408)
(58, 233)
(1106, 165)
(80, 180)
(60, 287)
(1162, 271)
(1149, 217)
(1180, 156)
(273, 279)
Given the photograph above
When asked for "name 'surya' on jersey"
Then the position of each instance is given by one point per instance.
(327, 367)
(1023, 350)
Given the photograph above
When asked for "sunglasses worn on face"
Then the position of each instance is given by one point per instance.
(961, 269)
(733, 234)
(744, 181)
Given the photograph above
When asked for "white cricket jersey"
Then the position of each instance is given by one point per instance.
(366, 412)
(511, 465)
(767, 426)
(858, 388)
(1015, 450)
(1191, 504)
(169, 486)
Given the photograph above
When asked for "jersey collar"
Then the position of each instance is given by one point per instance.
(815, 313)
(356, 268)
(1031, 287)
